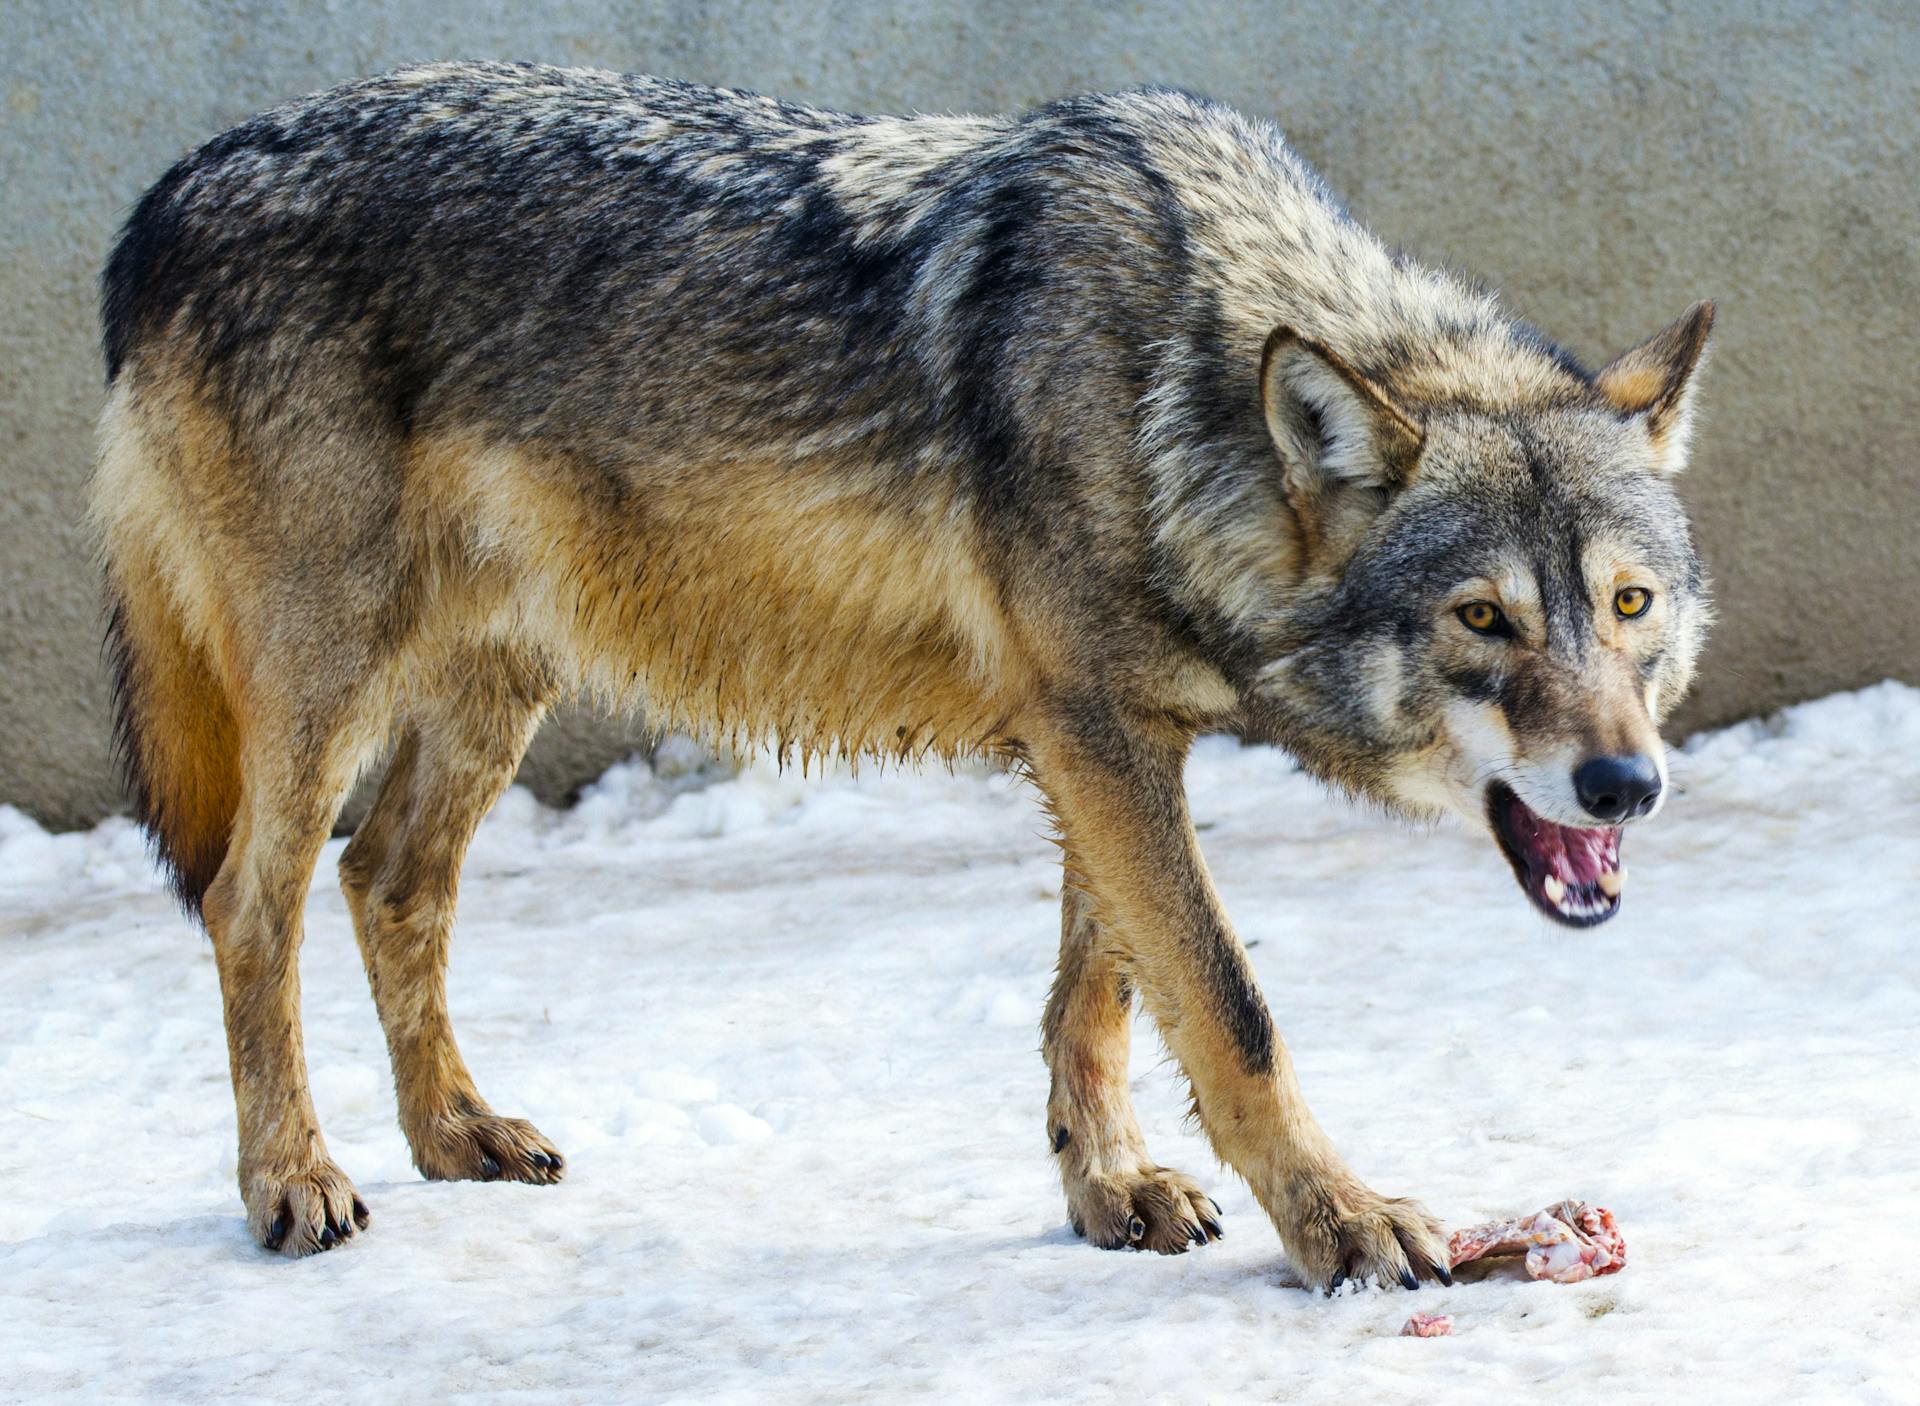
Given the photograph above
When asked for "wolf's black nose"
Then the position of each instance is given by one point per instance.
(1614, 789)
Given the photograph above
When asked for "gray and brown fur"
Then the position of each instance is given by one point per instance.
(1060, 438)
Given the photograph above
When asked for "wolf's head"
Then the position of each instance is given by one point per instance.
(1499, 599)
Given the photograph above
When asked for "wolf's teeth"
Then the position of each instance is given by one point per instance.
(1612, 881)
(1555, 890)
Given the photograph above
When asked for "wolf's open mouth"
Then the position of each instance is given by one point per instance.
(1573, 876)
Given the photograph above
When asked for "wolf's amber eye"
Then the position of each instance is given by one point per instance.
(1484, 618)
(1632, 600)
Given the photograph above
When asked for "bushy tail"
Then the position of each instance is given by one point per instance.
(174, 732)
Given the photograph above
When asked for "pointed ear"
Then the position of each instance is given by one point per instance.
(1656, 379)
(1331, 424)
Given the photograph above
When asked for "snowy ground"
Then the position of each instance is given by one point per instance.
(786, 1034)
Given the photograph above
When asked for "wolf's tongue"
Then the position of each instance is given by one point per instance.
(1574, 855)
(1573, 873)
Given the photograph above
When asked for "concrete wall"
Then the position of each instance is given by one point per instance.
(1603, 165)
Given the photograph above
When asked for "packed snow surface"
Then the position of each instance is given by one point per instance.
(786, 1033)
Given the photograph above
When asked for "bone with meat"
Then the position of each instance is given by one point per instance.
(1565, 1243)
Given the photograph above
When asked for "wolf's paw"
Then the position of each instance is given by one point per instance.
(484, 1147)
(1340, 1230)
(302, 1212)
(1153, 1208)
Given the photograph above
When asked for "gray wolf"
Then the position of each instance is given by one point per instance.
(1057, 439)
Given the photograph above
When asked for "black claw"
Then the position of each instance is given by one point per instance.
(489, 1168)
(539, 1159)
(361, 1215)
(1409, 1279)
(1060, 1136)
(1216, 1207)
(326, 1237)
(554, 1157)
(1213, 1229)
(277, 1233)
(1197, 1235)
(1443, 1274)
(1338, 1279)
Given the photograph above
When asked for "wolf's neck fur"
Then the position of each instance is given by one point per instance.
(1284, 252)
(1270, 246)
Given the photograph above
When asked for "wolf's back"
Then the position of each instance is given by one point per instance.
(603, 257)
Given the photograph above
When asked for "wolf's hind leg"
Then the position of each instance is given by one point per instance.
(1116, 1196)
(294, 776)
(401, 875)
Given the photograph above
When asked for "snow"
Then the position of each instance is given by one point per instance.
(786, 1033)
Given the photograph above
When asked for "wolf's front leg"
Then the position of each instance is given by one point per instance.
(1117, 1196)
(1116, 786)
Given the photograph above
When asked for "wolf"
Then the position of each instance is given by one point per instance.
(1055, 439)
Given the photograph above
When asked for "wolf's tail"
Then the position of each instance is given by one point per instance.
(175, 734)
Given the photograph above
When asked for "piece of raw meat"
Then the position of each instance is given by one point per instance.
(1428, 1325)
(1566, 1243)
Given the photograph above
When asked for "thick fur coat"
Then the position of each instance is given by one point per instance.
(1057, 438)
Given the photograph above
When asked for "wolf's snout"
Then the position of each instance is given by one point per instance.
(1615, 789)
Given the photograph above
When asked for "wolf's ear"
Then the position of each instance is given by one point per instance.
(1331, 424)
(1656, 380)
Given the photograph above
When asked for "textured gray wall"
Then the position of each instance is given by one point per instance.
(1603, 165)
